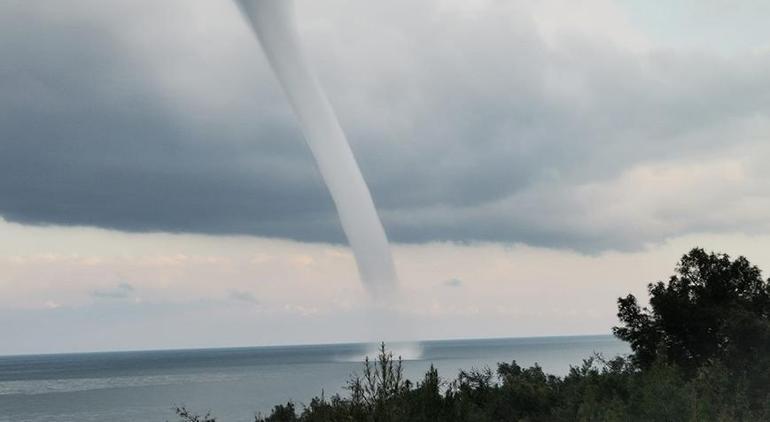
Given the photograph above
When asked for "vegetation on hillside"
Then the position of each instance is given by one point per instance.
(700, 352)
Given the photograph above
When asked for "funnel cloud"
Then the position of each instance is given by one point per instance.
(273, 23)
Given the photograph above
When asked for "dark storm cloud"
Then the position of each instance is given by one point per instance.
(165, 118)
(88, 140)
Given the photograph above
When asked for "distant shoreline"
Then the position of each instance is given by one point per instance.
(309, 345)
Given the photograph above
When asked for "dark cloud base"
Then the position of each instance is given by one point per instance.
(458, 142)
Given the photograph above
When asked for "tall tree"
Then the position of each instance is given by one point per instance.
(713, 308)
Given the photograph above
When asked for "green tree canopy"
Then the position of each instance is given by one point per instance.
(713, 308)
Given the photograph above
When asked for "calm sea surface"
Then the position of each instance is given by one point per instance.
(236, 383)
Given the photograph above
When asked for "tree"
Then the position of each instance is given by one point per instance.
(187, 416)
(712, 309)
(382, 384)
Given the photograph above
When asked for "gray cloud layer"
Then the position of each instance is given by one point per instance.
(476, 124)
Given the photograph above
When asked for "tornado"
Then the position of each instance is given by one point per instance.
(274, 23)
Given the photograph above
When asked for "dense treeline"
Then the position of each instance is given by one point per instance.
(700, 352)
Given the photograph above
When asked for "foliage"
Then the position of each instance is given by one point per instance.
(712, 319)
(186, 416)
(713, 308)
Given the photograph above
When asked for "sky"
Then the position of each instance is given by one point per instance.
(531, 161)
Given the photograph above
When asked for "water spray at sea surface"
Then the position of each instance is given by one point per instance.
(273, 23)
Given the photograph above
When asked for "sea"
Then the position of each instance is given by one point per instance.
(234, 384)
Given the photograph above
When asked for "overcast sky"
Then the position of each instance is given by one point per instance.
(531, 161)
